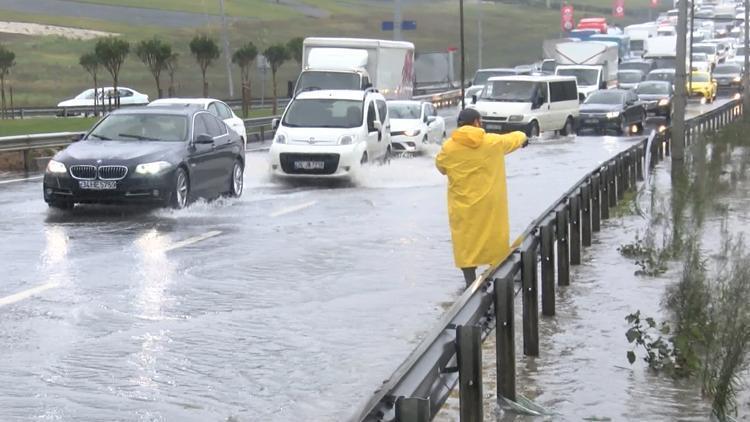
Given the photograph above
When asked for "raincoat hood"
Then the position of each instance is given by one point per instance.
(469, 136)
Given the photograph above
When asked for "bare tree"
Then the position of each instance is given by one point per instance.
(90, 63)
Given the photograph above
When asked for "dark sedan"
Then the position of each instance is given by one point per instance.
(656, 97)
(614, 109)
(728, 77)
(159, 155)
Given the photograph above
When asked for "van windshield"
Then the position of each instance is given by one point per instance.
(585, 77)
(330, 113)
(513, 91)
(312, 81)
(480, 78)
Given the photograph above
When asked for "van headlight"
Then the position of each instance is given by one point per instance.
(412, 132)
(280, 138)
(346, 140)
(150, 169)
(55, 167)
(515, 118)
(664, 102)
(613, 114)
(738, 79)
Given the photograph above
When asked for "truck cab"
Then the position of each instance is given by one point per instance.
(589, 78)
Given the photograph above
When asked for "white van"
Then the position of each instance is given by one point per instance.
(330, 134)
(533, 104)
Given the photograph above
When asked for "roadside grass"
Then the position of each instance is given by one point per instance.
(257, 9)
(45, 125)
(47, 69)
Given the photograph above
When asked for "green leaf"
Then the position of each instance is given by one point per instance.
(631, 357)
(632, 335)
(651, 323)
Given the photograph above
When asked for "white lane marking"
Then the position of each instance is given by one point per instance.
(292, 209)
(192, 240)
(3, 182)
(9, 300)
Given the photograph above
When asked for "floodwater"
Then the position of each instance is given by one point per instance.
(291, 303)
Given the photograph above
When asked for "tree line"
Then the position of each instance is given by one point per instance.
(110, 53)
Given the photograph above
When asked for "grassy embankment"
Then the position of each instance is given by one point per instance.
(47, 68)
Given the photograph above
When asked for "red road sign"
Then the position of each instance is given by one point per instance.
(567, 22)
(654, 3)
(618, 9)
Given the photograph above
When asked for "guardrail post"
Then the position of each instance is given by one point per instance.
(668, 146)
(412, 409)
(262, 134)
(612, 179)
(505, 336)
(596, 216)
(469, 354)
(530, 299)
(586, 214)
(563, 258)
(622, 181)
(639, 163)
(625, 171)
(632, 168)
(604, 207)
(548, 267)
(575, 229)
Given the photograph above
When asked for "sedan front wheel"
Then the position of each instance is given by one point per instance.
(237, 182)
(181, 191)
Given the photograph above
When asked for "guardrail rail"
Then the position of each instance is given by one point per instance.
(450, 353)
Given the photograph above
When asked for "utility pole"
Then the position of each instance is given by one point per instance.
(480, 40)
(463, 55)
(746, 84)
(678, 123)
(228, 59)
(692, 30)
(397, 20)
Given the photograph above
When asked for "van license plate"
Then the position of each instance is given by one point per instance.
(495, 127)
(97, 184)
(309, 165)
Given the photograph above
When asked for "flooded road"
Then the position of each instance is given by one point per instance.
(291, 303)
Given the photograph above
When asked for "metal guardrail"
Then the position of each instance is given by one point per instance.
(450, 353)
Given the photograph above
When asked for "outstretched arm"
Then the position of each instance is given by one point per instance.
(509, 142)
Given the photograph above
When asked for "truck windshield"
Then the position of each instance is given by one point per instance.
(480, 78)
(311, 81)
(331, 113)
(586, 77)
(513, 91)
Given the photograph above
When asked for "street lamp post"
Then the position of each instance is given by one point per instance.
(463, 54)
(227, 58)
(746, 83)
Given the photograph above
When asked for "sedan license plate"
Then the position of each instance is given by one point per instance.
(97, 184)
(309, 165)
(591, 121)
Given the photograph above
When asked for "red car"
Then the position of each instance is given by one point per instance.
(599, 24)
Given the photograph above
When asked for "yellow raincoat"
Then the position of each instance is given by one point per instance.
(474, 162)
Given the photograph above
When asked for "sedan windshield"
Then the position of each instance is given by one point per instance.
(330, 113)
(644, 67)
(604, 97)
(585, 77)
(707, 49)
(515, 91)
(700, 57)
(727, 69)
(700, 77)
(482, 75)
(653, 88)
(141, 127)
(660, 76)
(404, 111)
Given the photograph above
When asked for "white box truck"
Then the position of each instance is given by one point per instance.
(663, 51)
(354, 63)
(593, 63)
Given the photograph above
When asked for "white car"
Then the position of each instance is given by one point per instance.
(414, 124)
(330, 134)
(701, 63)
(215, 107)
(128, 96)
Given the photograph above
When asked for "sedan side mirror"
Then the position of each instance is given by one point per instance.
(77, 137)
(204, 139)
(474, 99)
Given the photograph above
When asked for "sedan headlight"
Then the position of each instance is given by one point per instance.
(515, 118)
(613, 114)
(738, 79)
(55, 167)
(664, 102)
(280, 138)
(346, 140)
(413, 132)
(150, 169)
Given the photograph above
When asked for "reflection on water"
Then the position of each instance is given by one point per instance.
(54, 256)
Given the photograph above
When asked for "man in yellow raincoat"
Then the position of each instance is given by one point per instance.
(474, 162)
